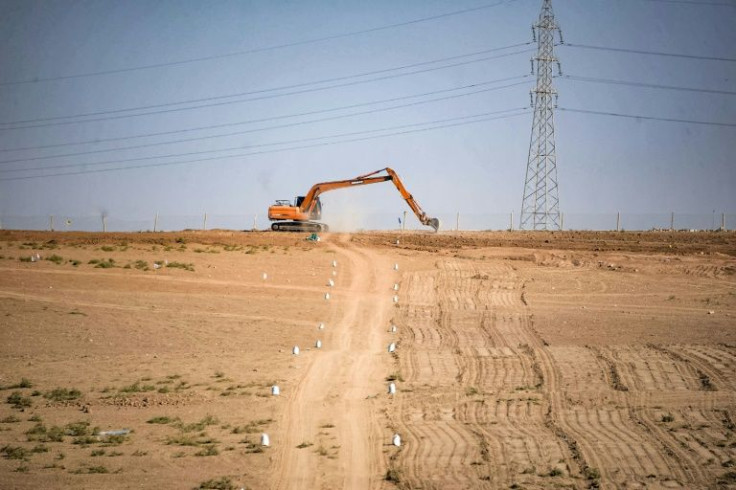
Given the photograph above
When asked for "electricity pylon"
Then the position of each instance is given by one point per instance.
(540, 206)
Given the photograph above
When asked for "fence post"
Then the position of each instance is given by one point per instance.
(255, 217)
(204, 223)
(672, 221)
(403, 223)
(51, 222)
(104, 224)
(723, 222)
(155, 222)
(618, 221)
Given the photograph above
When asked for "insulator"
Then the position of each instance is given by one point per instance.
(534, 34)
(555, 101)
(531, 99)
(559, 31)
(532, 62)
(559, 68)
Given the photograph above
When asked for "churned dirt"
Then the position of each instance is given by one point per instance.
(522, 360)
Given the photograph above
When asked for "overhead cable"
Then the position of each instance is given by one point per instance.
(257, 50)
(649, 118)
(648, 85)
(477, 118)
(298, 123)
(653, 53)
(295, 92)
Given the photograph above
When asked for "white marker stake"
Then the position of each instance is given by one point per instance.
(275, 391)
(334, 273)
(396, 440)
(321, 326)
(318, 344)
(327, 296)
(393, 328)
(392, 346)
(330, 283)
(295, 350)
(396, 287)
(396, 267)
(391, 388)
(334, 263)
(265, 441)
(264, 276)
(396, 299)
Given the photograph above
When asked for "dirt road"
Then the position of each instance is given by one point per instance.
(338, 398)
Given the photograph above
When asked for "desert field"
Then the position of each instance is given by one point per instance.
(520, 360)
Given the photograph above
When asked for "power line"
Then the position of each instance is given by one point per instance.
(299, 123)
(477, 119)
(650, 118)
(295, 92)
(648, 85)
(653, 53)
(190, 153)
(692, 2)
(262, 91)
(258, 50)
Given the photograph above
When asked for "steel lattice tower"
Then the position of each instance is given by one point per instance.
(540, 206)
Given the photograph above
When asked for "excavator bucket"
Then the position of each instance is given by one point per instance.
(434, 223)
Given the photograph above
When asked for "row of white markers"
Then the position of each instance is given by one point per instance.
(275, 390)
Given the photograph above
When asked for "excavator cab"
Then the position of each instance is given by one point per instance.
(316, 211)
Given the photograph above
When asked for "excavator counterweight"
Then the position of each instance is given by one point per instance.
(300, 215)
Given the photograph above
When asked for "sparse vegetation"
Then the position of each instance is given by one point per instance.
(393, 475)
(668, 418)
(197, 426)
(162, 420)
(137, 387)
(223, 483)
(62, 394)
(304, 444)
(208, 450)
(18, 401)
(14, 452)
(40, 433)
(181, 265)
(105, 264)
(56, 259)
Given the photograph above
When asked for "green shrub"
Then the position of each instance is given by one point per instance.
(181, 265)
(223, 483)
(14, 452)
(161, 420)
(17, 400)
(56, 259)
(62, 394)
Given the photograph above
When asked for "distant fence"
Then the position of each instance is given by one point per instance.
(375, 221)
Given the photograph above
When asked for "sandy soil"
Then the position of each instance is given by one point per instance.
(523, 360)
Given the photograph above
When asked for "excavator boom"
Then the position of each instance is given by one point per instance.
(309, 207)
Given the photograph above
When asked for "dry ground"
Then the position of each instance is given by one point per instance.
(523, 360)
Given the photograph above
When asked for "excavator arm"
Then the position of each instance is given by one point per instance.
(309, 207)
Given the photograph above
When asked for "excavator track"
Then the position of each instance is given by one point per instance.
(300, 226)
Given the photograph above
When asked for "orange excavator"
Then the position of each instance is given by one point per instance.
(298, 216)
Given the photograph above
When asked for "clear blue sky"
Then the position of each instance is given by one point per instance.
(605, 163)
